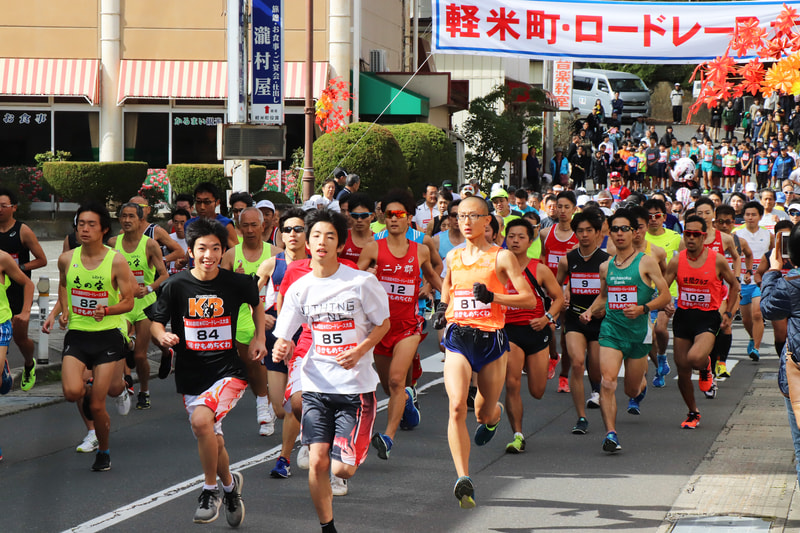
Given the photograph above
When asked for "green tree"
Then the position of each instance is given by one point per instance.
(429, 154)
(498, 124)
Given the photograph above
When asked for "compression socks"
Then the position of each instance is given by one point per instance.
(779, 347)
(722, 346)
(328, 528)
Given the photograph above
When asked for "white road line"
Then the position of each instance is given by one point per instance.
(180, 489)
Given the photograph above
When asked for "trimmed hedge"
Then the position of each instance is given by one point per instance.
(277, 198)
(80, 181)
(377, 158)
(14, 179)
(429, 154)
(185, 177)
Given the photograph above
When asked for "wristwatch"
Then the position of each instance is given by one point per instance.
(550, 317)
(728, 314)
(23, 267)
(149, 289)
(646, 309)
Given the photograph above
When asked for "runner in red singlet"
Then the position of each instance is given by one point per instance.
(360, 234)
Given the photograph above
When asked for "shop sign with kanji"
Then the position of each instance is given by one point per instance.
(624, 32)
(562, 83)
(267, 62)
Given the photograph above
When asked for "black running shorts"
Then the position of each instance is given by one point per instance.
(689, 323)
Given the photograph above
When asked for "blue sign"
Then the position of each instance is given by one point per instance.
(267, 62)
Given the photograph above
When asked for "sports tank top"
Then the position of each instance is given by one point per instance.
(626, 287)
(716, 244)
(444, 244)
(699, 287)
(523, 317)
(759, 244)
(350, 250)
(11, 242)
(400, 278)
(251, 267)
(137, 260)
(5, 308)
(89, 289)
(584, 279)
(555, 248)
(463, 308)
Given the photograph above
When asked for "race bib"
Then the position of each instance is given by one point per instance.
(399, 292)
(85, 302)
(332, 338)
(585, 283)
(208, 334)
(15, 257)
(756, 262)
(466, 306)
(139, 275)
(553, 258)
(694, 297)
(621, 297)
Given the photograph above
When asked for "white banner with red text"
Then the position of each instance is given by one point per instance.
(612, 32)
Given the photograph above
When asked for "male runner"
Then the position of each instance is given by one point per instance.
(95, 288)
(245, 258)
(581, 267)
(444, 241)
(145, 260)
(202, 306)
(474, 298)
(557, 240)
(626, 295)
(348, 312)
(179, 219)
(206, 198)
(18, 240)
(699, 272)
(360, 234)
(169, 248)
(528, 330)
(760, 240)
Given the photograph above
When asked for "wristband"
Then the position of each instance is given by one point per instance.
(149, 289)
(728, 314)
(646, 309)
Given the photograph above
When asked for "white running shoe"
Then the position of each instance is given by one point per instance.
(89, 443)
(302, 458)
(123, 402)
(594, 401)
(338, 486)
(265, 415)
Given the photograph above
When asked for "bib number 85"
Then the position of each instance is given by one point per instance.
(332, 338)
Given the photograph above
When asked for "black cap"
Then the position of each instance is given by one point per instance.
(695, 193)
(447, 184)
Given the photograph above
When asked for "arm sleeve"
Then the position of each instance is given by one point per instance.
(374, 301)
(289, 319)
(776, 296)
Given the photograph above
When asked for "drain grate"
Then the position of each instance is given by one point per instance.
(711, 524)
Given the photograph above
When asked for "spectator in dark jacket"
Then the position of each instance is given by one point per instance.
(598, 170)
(580, 165)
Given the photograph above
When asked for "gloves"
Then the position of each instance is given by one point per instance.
(439, 321)
(482, 294)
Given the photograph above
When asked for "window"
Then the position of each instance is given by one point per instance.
(23, 134)
(602, 85)
(627, 85)
(580, 83)
(194, 137)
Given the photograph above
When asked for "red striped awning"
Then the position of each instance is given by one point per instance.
(50, 77)
(202, 79)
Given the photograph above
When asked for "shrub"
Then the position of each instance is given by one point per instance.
(184, 178)
(277, 198)
(377, 158)
(429, 154)
(81, 181)
(14, 179)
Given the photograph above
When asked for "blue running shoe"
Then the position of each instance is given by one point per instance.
(658, 381)
(633, 403)
(411, 415)
(464, 492)
(663, 365)
(611, 442)
(754, 355)
(750, 346)
(7, 381)
(282, 469)
(484, 433)
(382, 443)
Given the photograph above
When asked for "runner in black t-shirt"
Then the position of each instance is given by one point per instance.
(202, 306)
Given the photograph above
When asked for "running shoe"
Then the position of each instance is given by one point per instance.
(517, 445)
(282, 469)
(411, 415)
(382, 443)
(692, 421)
(658, 381)
(663, 365)
(722, 370)
(208, 508)
(471, 398)
(338, 486)
(232, 501)
(143, 401)
(563, 384)
(706, 379)
(484, 433)
(165, 366)
(7, 380)
(265, 415)
(464, 492)
(123, 402)
(611, 442)
(633, 403)
(89, 443)
(28, 377)
(712, 392)
(302, 458)
(551, 367)
(751, 346)
(754, 355)
(594, 401)
(102, 462)
(580, 427)
(129, 384)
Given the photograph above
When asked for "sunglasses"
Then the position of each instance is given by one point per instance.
(623, 229)
(296, 229)
(656, 216)
(360, 216)
(692, 234)
(203, 202)
(236, 210)
(724, 221)
(794, 212)
(392, 214)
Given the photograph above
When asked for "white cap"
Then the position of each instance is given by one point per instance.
(582, 199)
(607, 211)
(467, 189)
(750, 187)
(265, 204)
(793, 206)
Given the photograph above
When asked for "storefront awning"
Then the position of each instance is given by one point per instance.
(376, 93)
(50, 77)
(202, 79)
(548, 102)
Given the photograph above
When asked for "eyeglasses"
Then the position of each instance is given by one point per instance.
(7, 206)
(794, 212)
(656, 216)
(693, 234)
(296, 229)
(143, 205)
(359, 216)
(236, 211)
(203, 202)
(724, 221)
(392, 214)
(623, 229)
(474, 217)
(534, 226)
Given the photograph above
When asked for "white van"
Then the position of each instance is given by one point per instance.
(590, 84)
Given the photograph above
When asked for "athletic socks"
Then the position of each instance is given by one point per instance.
(779, 347)
(328, 528)
(228, 488)
(209, 487)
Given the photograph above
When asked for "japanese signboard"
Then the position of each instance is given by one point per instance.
(562, 83)
(616, 32)
(24, 117)
(267, 62)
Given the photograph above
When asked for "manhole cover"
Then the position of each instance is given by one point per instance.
(705, 524)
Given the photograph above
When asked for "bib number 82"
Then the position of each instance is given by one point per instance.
(86, 303)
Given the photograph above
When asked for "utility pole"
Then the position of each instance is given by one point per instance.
(237, 81)
(308, 164)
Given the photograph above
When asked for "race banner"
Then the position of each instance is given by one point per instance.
(614, 32)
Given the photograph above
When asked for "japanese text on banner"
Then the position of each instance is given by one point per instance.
(267, 62)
